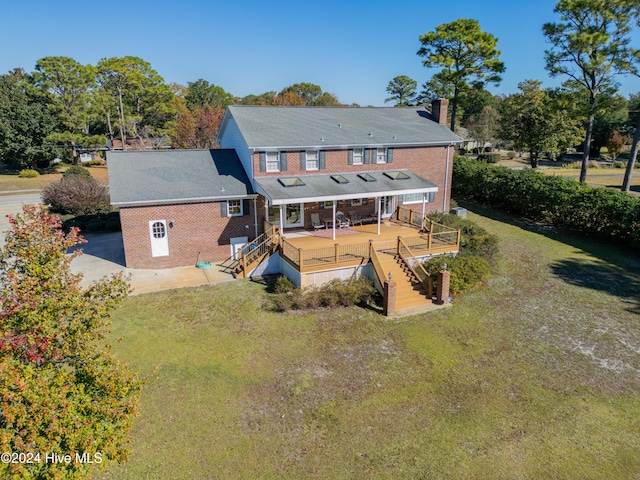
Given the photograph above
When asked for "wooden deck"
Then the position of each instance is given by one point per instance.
(310, 240)
(312, 251)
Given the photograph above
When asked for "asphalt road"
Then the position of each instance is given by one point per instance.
(12, 204)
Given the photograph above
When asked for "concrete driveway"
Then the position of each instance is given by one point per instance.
(103, 254)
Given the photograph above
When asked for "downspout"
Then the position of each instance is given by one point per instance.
(255, 215)
(446, 179)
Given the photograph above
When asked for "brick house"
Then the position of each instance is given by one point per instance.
(178, 204)
(281, 169)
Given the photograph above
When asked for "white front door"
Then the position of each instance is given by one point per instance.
(159, 238)
(236, 244)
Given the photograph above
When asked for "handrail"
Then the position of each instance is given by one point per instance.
(377, 265)
(420, 273)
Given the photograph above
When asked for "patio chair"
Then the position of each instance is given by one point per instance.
(315, 221)
(355, 218)
(343, 222)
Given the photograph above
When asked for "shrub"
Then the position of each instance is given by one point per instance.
(77, 195)
(73, 222)
(467, 272)
(332, 294)
(93, 163)
(76, 171)
(95, 225)
(511, 155)
(283, 285)
(113, 224)
(619, 165)
(474, 239)
(28, 173)
(489, 157)
(555, 200)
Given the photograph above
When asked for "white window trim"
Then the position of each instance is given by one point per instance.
(356, 202)
(267, 162)
(379, 155)
(316, 160)
(358, 158)
(229, 214)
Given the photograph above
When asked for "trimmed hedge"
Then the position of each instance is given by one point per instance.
(562, 202)
(28, 173)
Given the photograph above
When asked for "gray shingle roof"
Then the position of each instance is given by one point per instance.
(321, 187)
(326, 127)
(175, 176)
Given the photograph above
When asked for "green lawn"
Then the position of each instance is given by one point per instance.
(535, 376)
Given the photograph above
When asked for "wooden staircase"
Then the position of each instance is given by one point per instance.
(409, 291)
(252, 254)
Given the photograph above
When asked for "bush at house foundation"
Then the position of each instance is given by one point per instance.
(333, 294)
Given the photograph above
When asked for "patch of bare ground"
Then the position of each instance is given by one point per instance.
(581, 312)
(342, 363)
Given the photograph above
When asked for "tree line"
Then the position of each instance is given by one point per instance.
(64, 108)
(589, 47)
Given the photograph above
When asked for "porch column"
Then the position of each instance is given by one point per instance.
(281, 219)
(379, 200)
(255, 215)
(424, 208)
(334, 219)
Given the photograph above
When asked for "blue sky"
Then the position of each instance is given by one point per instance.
(350, 48)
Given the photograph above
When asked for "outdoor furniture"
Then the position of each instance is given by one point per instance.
(343, 222)
(355, 218)
(315, 221)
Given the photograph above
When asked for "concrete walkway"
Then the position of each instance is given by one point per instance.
(103, 254)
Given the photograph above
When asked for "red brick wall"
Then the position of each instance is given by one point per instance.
(198, 227)
(428, 162)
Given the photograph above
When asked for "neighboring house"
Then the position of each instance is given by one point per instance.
(280, 168)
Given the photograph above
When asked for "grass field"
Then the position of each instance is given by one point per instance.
(534, 376)
(11, 182)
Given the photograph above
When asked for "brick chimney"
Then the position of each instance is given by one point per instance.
(439, 110)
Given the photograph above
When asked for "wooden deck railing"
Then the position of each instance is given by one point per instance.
(254, 252)
(417, 269)
(313, 259)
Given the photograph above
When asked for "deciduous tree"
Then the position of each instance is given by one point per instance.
(25, 121)
(61, 391)
(590, 45)
(466, 54)
(202, 93)
(615, 144)
(535, 123)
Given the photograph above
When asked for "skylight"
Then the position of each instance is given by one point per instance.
(397, 175)
(366, 177)
(339, 179)
(291, 182)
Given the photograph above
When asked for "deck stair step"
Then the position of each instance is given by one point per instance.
(409, 292)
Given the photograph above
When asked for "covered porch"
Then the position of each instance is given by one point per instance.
(337, 201)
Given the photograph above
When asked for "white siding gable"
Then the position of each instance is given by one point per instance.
(232, 138)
